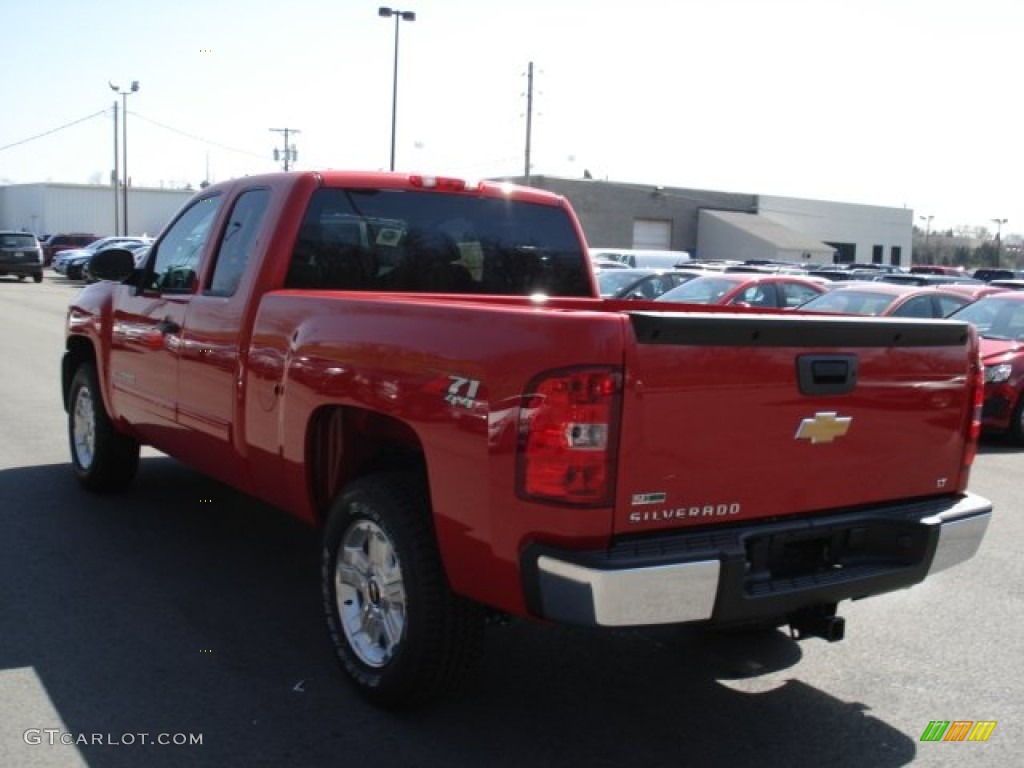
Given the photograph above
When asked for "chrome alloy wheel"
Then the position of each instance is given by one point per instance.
(370, 593)
(83, 428)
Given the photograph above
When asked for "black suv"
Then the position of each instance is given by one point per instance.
(21, 255)
(990, 274)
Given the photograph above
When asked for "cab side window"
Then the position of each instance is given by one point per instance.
(239, 241)
(175, 266)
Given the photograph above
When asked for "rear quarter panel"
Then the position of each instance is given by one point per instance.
(400, 356)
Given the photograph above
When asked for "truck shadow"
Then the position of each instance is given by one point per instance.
(181, 606)
(998, 444)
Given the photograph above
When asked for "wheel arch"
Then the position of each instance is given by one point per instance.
(78, 350)
(346, 442)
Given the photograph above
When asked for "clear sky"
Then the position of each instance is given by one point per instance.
(911, 103)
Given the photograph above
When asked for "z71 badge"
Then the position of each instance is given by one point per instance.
(462, 391)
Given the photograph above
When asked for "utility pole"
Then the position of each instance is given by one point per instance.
(289, 155)
(399, 17)
(999, 238)
(125, 93)
(927, 237)
(115, 175)
(529, 117)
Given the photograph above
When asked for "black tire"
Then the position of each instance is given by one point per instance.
(103, 459)
(413, 641)
(38, 277)
(1016, 431)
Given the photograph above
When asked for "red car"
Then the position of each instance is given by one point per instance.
(999, 319)
(892, 300)
(54, 244)
(746, 290)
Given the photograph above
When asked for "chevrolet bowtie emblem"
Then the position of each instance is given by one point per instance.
(824, 427)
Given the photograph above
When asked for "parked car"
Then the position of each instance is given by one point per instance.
(999, 319)
(937, 269)
(746, 289)
(881, 299)
(1017, 284)
(845, 275)
(71, 262)
(54, 244)
(138, 252)
(601, 265)
(21, 255)
(988, 274)
(640, 258)
(928, 278)
(641, 283)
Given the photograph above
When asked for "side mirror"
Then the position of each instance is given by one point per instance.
(115, 264)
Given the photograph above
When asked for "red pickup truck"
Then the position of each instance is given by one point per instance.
(424, 367)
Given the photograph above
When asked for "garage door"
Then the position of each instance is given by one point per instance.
(652, 234)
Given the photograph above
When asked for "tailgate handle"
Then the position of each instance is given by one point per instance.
(826, 374)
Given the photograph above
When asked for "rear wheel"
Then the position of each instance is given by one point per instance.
(103, 459)
(401, 635)
(38, 277)
(1016, 432)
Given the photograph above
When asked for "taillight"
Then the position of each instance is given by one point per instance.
(568, 431)
(977, 384)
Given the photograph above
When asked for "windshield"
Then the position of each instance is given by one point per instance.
(850, 303)
(701, 290)
(995, 318)
(612, 281)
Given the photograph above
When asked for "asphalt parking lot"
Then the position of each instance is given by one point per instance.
(181, 609)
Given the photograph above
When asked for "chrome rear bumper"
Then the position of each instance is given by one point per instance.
(738, 574)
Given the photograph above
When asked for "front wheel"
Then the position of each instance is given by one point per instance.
(401, 635)
(1016, 431)
(103, 459)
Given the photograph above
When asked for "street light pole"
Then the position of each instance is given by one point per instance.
(399, 16)
(999, 238)
(927, 231)
(114, 177)
(124, 145)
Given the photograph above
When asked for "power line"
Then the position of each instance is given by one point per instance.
(53, 130)
(197, 138)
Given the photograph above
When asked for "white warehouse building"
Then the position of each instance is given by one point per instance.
(49, 208)
(728, 225)
(708, 224)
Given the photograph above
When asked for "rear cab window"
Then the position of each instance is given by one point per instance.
(410, 240)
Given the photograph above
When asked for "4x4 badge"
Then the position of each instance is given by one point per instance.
(825, 427)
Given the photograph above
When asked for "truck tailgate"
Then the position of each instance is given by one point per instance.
(736, 417)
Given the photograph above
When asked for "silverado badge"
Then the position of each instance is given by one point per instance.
(825, 427)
